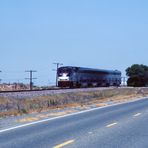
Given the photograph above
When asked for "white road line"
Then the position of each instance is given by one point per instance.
(81, 112)
(138, 114)
(50, 119)
(112, 124)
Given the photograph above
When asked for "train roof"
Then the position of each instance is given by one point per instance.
(92, 69)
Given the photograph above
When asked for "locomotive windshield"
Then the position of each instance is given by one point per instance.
(64, 70)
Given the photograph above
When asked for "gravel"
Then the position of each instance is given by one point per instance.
(33, 94)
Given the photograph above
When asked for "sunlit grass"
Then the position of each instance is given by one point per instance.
(11, 106)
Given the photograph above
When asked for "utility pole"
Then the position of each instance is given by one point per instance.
(31, 78)
(0, 79)
(57, 66)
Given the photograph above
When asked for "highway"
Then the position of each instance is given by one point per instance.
(118, 126)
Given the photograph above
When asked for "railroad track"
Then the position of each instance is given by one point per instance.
(13, 91)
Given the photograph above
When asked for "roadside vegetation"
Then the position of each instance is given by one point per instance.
(138, 75)
(14, 107)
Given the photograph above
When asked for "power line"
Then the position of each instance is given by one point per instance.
(31, 77)
(57, 66)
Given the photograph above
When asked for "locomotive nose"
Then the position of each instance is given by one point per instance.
(64, 77)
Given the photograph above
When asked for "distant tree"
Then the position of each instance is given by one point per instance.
(138, 75)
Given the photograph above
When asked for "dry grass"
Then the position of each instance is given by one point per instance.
(15, 107)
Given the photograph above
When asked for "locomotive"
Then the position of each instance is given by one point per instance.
(69, 76)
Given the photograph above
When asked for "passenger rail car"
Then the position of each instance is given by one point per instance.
(87, 77)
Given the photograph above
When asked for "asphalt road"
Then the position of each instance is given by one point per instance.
(118, 126)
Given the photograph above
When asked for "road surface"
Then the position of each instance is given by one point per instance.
(118, 126)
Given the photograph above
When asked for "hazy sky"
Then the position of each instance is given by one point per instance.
(107, 34)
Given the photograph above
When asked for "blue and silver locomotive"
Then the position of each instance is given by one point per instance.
(69, 76)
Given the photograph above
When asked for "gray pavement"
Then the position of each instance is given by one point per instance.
(118, 126)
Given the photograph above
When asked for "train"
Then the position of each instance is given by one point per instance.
(75, 77)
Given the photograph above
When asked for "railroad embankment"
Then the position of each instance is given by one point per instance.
(101, 97)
